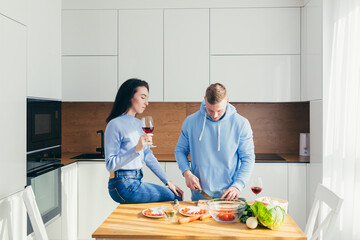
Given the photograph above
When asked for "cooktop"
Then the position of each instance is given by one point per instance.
(268, 156)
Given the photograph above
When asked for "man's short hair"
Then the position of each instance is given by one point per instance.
(215, 93)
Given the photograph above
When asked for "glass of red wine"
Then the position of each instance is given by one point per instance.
(256, 185)
(148, 126)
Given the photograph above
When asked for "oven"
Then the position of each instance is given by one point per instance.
(44, 157)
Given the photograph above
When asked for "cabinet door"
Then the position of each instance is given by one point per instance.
(44, 49)
(89, 32)
(297, 193)
(270, 78)
(175, 174)
(141, 48)
(274, 180)
(15, 9)
(311, 84)
(255, 31)
(186, 54)
(89, 78)
(150, 177)
(95, 203)
(69, 198)
(13, 106)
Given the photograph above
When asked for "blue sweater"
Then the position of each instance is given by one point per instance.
(222, 152)
(121, 136)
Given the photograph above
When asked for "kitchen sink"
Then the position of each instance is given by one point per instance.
(89, 156)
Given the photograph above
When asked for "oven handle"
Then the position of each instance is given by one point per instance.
(44, 170)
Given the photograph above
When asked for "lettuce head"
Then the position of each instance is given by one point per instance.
(270, 216)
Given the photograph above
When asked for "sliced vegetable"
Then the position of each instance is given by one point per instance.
(251, 222)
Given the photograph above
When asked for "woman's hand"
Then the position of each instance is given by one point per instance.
(192, 181)
(175, 189)
(144, 140)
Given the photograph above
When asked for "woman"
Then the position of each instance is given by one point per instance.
(127, 148)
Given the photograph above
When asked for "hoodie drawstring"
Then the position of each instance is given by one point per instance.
(203, 128)
(202, 131)
(219, 136)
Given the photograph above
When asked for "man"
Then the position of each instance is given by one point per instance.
(221, 145)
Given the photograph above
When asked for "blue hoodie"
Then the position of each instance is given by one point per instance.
(222, 152)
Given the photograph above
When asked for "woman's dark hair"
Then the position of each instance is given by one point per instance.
(124, 95)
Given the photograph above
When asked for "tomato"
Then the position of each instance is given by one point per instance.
(225, 217)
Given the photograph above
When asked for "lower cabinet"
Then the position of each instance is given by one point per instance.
(69, 211)
(94, 201)
(86, 202)
(297, 191)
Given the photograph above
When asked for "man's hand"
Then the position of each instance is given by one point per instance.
(191, 180)
(231, 193)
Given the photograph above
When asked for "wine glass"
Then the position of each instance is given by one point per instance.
(148, 125)
(256, 185)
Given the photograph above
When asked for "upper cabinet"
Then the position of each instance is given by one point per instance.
(44, 49)
(90, 40)
(258, 78)
(89, 78)
(13, 108)
(89, 32)
(141, 48)
(186, 54)
(311, 83)
(255, 52)
(255, 31)
(15, 9)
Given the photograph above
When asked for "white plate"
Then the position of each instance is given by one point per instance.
(155, 210)
(192, 209)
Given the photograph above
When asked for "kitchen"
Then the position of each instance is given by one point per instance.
(79, 53)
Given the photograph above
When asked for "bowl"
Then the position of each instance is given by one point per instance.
(226, 211)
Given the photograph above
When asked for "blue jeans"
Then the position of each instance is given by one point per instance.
(126, 187)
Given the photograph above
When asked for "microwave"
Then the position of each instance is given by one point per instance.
(43, 124)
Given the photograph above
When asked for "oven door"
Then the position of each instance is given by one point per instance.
(46, 184)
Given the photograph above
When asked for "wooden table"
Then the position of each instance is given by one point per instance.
(127, 222)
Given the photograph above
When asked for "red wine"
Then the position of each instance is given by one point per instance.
(256, 190)
(148, 129)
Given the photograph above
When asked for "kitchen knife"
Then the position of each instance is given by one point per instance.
(203, 193)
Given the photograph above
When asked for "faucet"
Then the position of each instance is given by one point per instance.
(101, 149)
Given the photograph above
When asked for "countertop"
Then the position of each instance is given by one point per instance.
(128, 222)
(289, 158)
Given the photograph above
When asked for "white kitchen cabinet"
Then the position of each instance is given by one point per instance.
(141, 48)
(12, 214)
(94, 201)
(13, 106)
(89, 78)
(89, 32)
(274, 179)
(297, 187)
(317, 139)
(311, 82)
(69, 198)
(150, 177)
(175, 174)
(258, 78)
(15, 9)
(44, 49)
(186, 54)
(255, 31)
(53, 229)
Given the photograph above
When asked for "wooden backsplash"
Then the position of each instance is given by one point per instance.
(276, 126)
